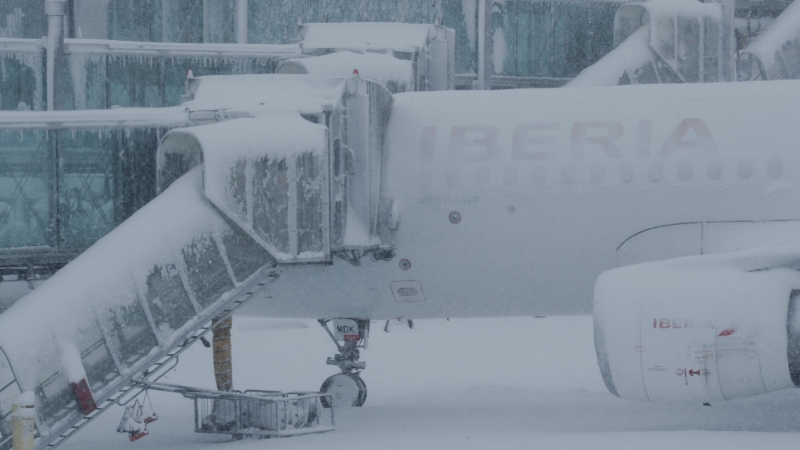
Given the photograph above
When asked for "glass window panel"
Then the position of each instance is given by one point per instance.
(206, 270)
(24, 188)
(168, 301)
(135, 20)
(245, 255)
(86, 186)
(97, 361)
(237, 183)
(271, 202)
(665, 30)
(18, 87)
(184, 20)
(645, 75)
(6, 373)
(689, 48)
(7, 397)
(55, 397)
(130, 331)
(309, 204)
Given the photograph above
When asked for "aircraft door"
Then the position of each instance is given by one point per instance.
(358, 131)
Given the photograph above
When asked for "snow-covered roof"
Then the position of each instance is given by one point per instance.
(374, 66)
(401, 37)
(98, 46)
(306, 94)
(100, 118)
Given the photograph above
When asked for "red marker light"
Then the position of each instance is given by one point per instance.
(355, 72)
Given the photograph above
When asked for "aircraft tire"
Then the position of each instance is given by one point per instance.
(345, 389)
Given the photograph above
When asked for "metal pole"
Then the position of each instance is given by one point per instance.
(22, 422)
(481, 44)
(206, 21)
(728, 48)
(55, 11)
(241, 21)
(485, 65)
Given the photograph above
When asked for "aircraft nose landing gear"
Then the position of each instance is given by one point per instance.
(346, 388)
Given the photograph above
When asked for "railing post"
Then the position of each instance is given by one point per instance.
(55, 11)
(22, 422)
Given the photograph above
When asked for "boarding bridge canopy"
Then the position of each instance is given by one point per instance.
(267, 174)
(300, 172)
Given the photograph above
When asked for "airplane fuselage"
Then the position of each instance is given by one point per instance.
(511, 203)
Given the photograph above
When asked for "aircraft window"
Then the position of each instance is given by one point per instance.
(685, 170)
(97, 361)
(715, 170)
(775, 168)
(309, 204)
(250, 256)
(206, 270)
(168, 301)
(745, 169)
(130, 331)
(271, 201)
(626, 172)
(656, 172)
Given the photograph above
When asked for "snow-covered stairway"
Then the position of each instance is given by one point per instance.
(157, 281)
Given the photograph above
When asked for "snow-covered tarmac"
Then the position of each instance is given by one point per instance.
(519, 383)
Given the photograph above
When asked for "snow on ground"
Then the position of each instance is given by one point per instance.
(519, 383)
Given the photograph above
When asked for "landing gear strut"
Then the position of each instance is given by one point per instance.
(346, 388)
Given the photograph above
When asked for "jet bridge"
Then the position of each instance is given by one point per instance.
(663, 41)
(290, 178)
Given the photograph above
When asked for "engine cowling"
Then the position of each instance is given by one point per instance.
(701, 328)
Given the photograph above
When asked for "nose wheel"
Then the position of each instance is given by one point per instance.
(345, 389)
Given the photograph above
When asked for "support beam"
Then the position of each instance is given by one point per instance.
(485, 67)
(728, 50)
(55, 10)
(241, 21)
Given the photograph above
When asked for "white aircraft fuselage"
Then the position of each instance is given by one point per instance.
(512, 203)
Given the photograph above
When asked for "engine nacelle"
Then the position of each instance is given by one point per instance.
(702, 328)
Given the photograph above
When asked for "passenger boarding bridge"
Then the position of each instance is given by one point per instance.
(247, 193)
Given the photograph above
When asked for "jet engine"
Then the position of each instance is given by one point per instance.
(702, 328)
